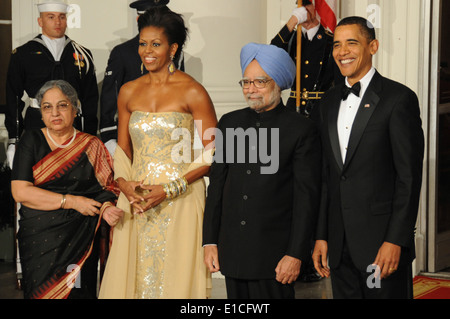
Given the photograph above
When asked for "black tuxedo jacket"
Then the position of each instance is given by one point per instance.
(373, 197)
(256, 219)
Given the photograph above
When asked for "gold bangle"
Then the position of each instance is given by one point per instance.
(167, 191)
(184, 183)
(179, 186)
(174, 189)
(63, 201)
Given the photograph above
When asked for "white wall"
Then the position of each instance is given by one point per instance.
(218, 29)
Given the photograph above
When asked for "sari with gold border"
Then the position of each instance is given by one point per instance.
(58, 248)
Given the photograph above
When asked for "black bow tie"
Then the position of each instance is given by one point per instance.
(355, 89)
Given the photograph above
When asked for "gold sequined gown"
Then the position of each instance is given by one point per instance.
(159, 254)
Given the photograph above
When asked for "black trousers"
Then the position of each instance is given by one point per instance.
(258, 289)
(349, 282)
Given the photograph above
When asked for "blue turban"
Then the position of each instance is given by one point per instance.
(274, 61)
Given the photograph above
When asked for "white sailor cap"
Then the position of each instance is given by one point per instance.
(52, 6)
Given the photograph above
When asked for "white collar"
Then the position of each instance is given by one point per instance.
(365, 81)
(55, 46)
(311, 33)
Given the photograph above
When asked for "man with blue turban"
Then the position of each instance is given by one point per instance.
(264, 186)
(275, 62)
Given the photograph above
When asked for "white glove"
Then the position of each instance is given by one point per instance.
(10, 155)
(111, 146)
(301, 14)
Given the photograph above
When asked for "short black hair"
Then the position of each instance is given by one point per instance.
(171, 22)
(367, 28)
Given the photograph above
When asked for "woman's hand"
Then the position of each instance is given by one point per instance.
(83, 205)
(113, 215)
(129, 190)
(155, 196)
(142, 203)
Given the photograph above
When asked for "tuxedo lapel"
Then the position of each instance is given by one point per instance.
(368, 105)
(333, 129)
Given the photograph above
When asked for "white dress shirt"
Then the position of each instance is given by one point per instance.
(348, 110)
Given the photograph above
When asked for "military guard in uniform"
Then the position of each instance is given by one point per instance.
(124, 65)
(49, 56)
(318, 70)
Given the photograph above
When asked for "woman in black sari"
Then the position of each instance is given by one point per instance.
(64, 181)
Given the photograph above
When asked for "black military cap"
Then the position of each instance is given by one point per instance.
(142, 5)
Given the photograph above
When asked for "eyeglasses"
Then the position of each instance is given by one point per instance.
(258, 83)
(62, 106)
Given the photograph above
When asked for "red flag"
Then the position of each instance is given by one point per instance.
(327, 11)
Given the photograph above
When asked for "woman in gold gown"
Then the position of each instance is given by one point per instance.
(156, 251)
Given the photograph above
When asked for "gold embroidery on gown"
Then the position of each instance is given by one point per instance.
(168, 242)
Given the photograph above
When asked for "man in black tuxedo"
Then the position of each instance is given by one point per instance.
(264, 184)
(373, 147)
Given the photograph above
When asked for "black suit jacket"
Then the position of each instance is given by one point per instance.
(373, 197)
(256, 219)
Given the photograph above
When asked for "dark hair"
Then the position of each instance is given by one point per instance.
(171, 22)
(367, 29)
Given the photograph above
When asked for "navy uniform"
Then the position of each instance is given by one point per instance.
(318, 70)
(124, 65)
(319, 73)
(32, 65)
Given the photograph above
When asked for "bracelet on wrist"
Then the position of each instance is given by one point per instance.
(175, 188)
(63, 202)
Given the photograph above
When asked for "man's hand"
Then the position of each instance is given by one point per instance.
(211, 258)
(288, 270)
(387, 259)
(320, 258)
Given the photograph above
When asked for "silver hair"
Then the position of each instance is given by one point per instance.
(65, 88)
